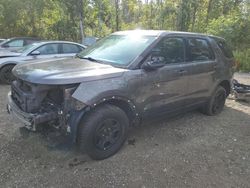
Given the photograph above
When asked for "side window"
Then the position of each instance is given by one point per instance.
(199, 50)
(70, 49)
(171, 50)
(15, 43)
(226, 50)
(48, 49)
(29, 41)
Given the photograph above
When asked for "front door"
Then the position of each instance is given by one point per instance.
(164, 89)
(47, 51)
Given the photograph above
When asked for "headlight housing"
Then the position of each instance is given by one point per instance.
(70, 102)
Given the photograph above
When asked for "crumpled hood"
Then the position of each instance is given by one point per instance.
(65, 71)
(7, 53)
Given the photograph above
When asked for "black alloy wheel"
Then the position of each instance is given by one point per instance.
(107, 134)
(103, 131)
(219, 102)
(216, 102)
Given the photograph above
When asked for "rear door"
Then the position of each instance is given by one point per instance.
(201, 65)
(69, 50)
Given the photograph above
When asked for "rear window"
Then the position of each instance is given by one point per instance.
(226, 50)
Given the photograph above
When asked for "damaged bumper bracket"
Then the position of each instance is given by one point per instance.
(30, 120)
(241, 91)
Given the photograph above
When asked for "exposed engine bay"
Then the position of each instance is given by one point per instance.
(36, 104)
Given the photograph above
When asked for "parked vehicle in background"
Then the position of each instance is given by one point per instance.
(1, 40)
(123, 79)
(89, 41)
(17, 43)
(35, 51)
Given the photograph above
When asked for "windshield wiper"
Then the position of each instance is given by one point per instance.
(98, 61)
(91, 59)
(88, 58)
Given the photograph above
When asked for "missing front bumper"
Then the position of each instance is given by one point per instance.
(30, 120)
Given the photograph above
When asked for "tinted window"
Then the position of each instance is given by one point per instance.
(15, 43)
(70, 49)
(199, 50)
(171, 49)
(226, 50)
(48, 49)
(30, 41)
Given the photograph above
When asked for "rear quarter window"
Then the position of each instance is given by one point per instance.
(70, 48)
(225, 48)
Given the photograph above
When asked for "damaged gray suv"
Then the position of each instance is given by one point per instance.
(123, 79)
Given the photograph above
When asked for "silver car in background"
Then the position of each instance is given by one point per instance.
(17, 43)
(35, 51)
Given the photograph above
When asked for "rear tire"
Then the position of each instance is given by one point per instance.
(216, 103)
(6, 75)
(103, 131)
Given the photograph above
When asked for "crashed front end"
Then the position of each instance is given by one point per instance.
(37, 104)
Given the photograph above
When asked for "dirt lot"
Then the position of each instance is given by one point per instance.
(191, 150)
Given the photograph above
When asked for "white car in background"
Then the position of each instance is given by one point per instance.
(35, 51)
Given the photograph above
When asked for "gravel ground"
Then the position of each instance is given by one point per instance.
(191, 150)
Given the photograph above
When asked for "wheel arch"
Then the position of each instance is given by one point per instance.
(121, 102)
(2, 78)
(126, 105)
(7, 64)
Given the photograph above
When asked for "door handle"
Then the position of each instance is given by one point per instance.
(182, 71)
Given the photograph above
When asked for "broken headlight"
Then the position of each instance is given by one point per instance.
(70, 102)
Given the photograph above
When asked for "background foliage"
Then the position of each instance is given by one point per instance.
(61, 19)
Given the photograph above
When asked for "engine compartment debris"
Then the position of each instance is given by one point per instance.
(241, 91)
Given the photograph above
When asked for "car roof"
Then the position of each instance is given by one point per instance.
(141, 32)
(32, 38)
(58, 41)
(161, 33)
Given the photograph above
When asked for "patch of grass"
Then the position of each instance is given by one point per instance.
(243, 59)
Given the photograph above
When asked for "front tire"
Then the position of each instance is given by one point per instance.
(103, 131)
(6, 75)
(216, 103)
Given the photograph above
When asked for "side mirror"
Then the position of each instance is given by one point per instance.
(35, 53)
(152, 65)
(156, 61)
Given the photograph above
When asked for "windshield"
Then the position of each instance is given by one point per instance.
(4, 42)
(1, 41)
(118, 50)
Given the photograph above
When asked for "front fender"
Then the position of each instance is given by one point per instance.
(91, 93)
